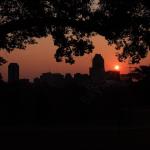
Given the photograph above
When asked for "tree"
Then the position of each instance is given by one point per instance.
(2, 61)
(126, 24)
(72, 23)
(142, 73)
(1, 77)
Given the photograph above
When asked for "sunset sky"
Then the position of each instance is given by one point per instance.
(39, 58)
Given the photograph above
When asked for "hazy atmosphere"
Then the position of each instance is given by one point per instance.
(75, 74)
(39, 58)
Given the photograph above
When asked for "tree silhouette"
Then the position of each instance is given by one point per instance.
(72, 23)
(143, 72)
(0, 77)
(126, 24)
(2, 61)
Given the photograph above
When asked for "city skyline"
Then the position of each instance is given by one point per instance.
(39, 58)
(75, 74)
(96, 74)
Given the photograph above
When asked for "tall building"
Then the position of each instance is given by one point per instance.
(13, 72)
(97, 71)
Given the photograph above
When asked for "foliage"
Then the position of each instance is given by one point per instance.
(2, 61)
(143, 72)
(0, 77)
(72, 23)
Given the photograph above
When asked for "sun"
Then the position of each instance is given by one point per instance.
(117, 67)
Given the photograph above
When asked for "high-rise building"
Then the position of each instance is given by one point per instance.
(97, 71)
(13, 72)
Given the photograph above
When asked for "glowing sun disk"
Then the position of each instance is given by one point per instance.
(117, 67)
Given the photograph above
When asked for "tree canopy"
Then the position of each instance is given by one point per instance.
(125, 23)
(142, 73)
(0, 77)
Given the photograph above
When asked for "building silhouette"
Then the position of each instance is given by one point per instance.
(68, 78)
(81, 79)
(113, 75)
(97, 71)
(53, 79)
(13, 72)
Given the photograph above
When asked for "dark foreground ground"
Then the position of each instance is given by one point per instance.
(75, 117)
(75, 138)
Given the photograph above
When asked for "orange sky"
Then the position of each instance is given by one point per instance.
(39, 58)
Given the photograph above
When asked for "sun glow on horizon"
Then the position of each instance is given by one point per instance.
(117, 67)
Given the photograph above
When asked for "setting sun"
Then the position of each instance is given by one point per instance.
(117, 67)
